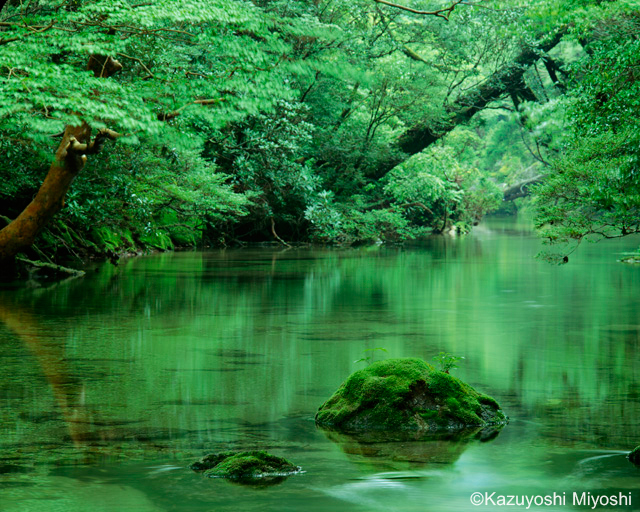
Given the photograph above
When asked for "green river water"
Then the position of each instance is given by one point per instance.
(110, 385)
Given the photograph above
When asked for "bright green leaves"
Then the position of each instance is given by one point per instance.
(435, 189)
(173, 52)
(189, 69)
(608, 96)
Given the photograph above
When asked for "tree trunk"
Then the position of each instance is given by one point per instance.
(521, 189)
(70, 159)
(71, 156)
(504, 81)
(553, 69)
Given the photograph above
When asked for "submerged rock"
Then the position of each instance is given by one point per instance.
(407, 394)
(244, 465)
(634, 456)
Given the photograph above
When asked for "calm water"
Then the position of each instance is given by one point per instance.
(112, 384)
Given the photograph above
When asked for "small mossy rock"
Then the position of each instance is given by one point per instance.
(407, 394)
(634, 456)
(244, 465)
(210, 461)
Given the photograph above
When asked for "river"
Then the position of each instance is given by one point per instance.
(111, 384)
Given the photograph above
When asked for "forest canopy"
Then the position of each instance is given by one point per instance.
(167, 123)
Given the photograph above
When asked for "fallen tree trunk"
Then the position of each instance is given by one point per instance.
(521, 189)
(508, 80)
(52, 266)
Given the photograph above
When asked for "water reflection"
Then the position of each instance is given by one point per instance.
(408, 450)
(67, 388)
(167, 357)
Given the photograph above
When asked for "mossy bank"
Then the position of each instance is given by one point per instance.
(407, 394)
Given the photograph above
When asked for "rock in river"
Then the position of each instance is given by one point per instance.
(407, 394)
(244, 465)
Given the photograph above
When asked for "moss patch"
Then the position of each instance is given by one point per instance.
(182, 232)
(407, 394)
(244, 465)
(634, 456)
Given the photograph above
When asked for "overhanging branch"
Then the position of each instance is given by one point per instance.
(33, 30)
(172, 115)
(441, 13)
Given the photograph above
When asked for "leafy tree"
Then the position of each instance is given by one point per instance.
(151, 74)
(434, 189)
(593, 190)
(267, 163)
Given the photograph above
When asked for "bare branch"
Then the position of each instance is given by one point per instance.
(275, 235)
(33, 31)
(103, 66)
(136, 59)
(191, 73)
(441, 13)
(177, 112)
(417, 203)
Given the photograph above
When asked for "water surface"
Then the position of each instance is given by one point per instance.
(110, 385)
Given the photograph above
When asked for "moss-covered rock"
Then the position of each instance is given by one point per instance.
(634, 456)
(244, 465)
(407, 394)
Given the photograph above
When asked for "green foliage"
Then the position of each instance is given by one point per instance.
(111, 240)
(435, 189)
(242, 117)
(447, 361)
(268, 163)
(174, 54)
(593, 190)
